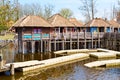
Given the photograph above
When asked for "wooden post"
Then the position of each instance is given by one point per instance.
(95, 44)
(70, 40)
(1, 60)
(92, 39)
(33, 46)
(23, 50)
(98, 34)
(63, 44)
(54, 44)
(23, 57)
(20, 40)
(12, 69)
(49, 43)
(63, 41)
(44, 43)
(41, 44)
(78, 40)
(84, 40)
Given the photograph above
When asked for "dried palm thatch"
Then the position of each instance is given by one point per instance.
(76, 22)
(97, 22)
(114, 23)
(32, 21)
(59, 21)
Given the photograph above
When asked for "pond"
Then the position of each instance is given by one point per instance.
(73, 71)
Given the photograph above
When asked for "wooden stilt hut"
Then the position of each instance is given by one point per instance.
(78, 24)
(115, 26)
(61, 24)
(32, 30)
(64, 28)
(98, 25)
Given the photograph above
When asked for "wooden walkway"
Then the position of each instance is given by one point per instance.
(81, 55)
(4, 69)
(103, 55)
(31, 65)
(106, 63)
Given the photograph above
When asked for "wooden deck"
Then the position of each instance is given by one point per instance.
(106, 63)
(71, 51)
(68, 35)
(4, 69)
(31, 65)
(103, 55)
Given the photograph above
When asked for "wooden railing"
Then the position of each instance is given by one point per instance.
(71, 35)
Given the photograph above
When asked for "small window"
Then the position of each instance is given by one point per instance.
(37, 30)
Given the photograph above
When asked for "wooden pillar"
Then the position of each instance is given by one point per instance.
(22, 57)
(70, 40)
(12, 69)
(95, 43)
(54, 44)
(20, 40)
(84, 40)
(115, 43)
(92, 39)
(77, 40)
(1, 60)
(41, 44)
(49, 43)
(33, 46)
(63, 43)
(44, 43)
(23, 50)
(99, 40)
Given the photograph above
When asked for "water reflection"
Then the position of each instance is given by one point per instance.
(73, 71)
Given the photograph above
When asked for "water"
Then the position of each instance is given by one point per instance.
(73, 71)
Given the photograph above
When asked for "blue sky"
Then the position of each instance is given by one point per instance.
(103, 6)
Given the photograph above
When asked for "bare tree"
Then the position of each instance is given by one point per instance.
(118, 12)
(28, 9)
(113, 12)
(88, 8)
(48, 9)
(65, 12)
(36, 9)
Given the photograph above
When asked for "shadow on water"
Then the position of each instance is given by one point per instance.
(72, 71)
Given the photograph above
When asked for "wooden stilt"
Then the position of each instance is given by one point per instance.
(95, 44)
(33, 46)
(49, 43)
(99, 40)
(63, 44)
(12, 69)
(77, 40)
(70, 40)
(20, 41)
(92, 39)
(23, 58)
(41, 46)
(23, 50)
(84, 40)
(55, 45)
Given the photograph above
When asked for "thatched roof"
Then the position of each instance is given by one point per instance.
(32, 21)
(59, 21)
(114, 23)
(97, 22)
(76, 22)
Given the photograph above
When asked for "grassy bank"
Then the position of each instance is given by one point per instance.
(7, 37)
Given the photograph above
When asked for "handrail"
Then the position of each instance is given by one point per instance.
(68, 35)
